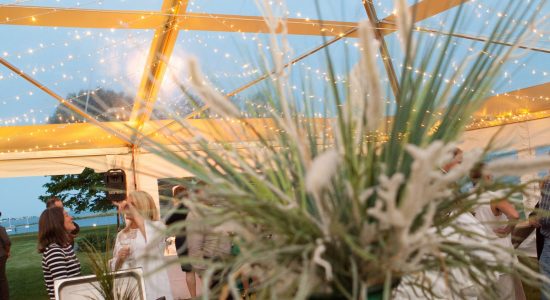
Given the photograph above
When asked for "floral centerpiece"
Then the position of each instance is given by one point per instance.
(355, 201)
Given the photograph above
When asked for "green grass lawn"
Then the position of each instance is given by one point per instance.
(25, 272)
(24, 269)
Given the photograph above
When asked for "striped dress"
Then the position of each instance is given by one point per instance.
(58, 263)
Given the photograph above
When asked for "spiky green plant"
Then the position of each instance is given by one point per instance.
(354, 200)
(109, 285)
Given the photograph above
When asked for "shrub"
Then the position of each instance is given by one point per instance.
(101, 241)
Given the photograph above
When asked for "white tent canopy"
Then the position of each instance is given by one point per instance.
(31, 150)
(144, 168)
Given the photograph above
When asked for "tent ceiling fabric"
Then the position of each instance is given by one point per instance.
(73, 157)
(17, 142)
(158, 59)
(14, 139)
(35, 138)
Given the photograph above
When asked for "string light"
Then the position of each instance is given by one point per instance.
(507, 118)
(66, 77)
(239, 72)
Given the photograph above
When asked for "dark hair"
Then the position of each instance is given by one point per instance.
(476, 173)
(51, 229)
(51, 201)
(179, 192)
(456, 151)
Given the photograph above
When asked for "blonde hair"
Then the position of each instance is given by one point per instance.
(145, 205)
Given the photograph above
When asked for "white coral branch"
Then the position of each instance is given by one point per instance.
(385, 209)
(425, 188)
(318, 260)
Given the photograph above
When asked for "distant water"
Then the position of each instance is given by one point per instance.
(30, 224)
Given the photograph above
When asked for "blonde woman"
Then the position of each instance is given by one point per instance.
(140, 244)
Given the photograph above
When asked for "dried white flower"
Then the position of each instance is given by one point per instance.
(214, 99)
(375, 101)
(356, 105)
(404, 21)
(323, 167)
(366, 84)
(318, 177)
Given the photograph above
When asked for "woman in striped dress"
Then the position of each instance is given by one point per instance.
(58, 258)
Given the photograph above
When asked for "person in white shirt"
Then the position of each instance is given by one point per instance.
(141, 244)
(499, 217)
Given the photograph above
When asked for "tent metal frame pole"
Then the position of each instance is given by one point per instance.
(383, 48)
(48, 91)
(478, 39)
(421, 11)
(51, 16)
(261, 78)
(272, 72)
(424, 9)
(177, 17)
(143, 19)
(188, 21)
(158, 58)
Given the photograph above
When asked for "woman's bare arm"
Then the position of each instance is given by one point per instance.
(508, 209)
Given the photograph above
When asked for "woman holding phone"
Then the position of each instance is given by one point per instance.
(141, 244)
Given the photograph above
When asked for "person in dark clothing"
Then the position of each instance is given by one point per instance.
(5, 245)
(179, 215)
(57, 202)
(543, 235)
